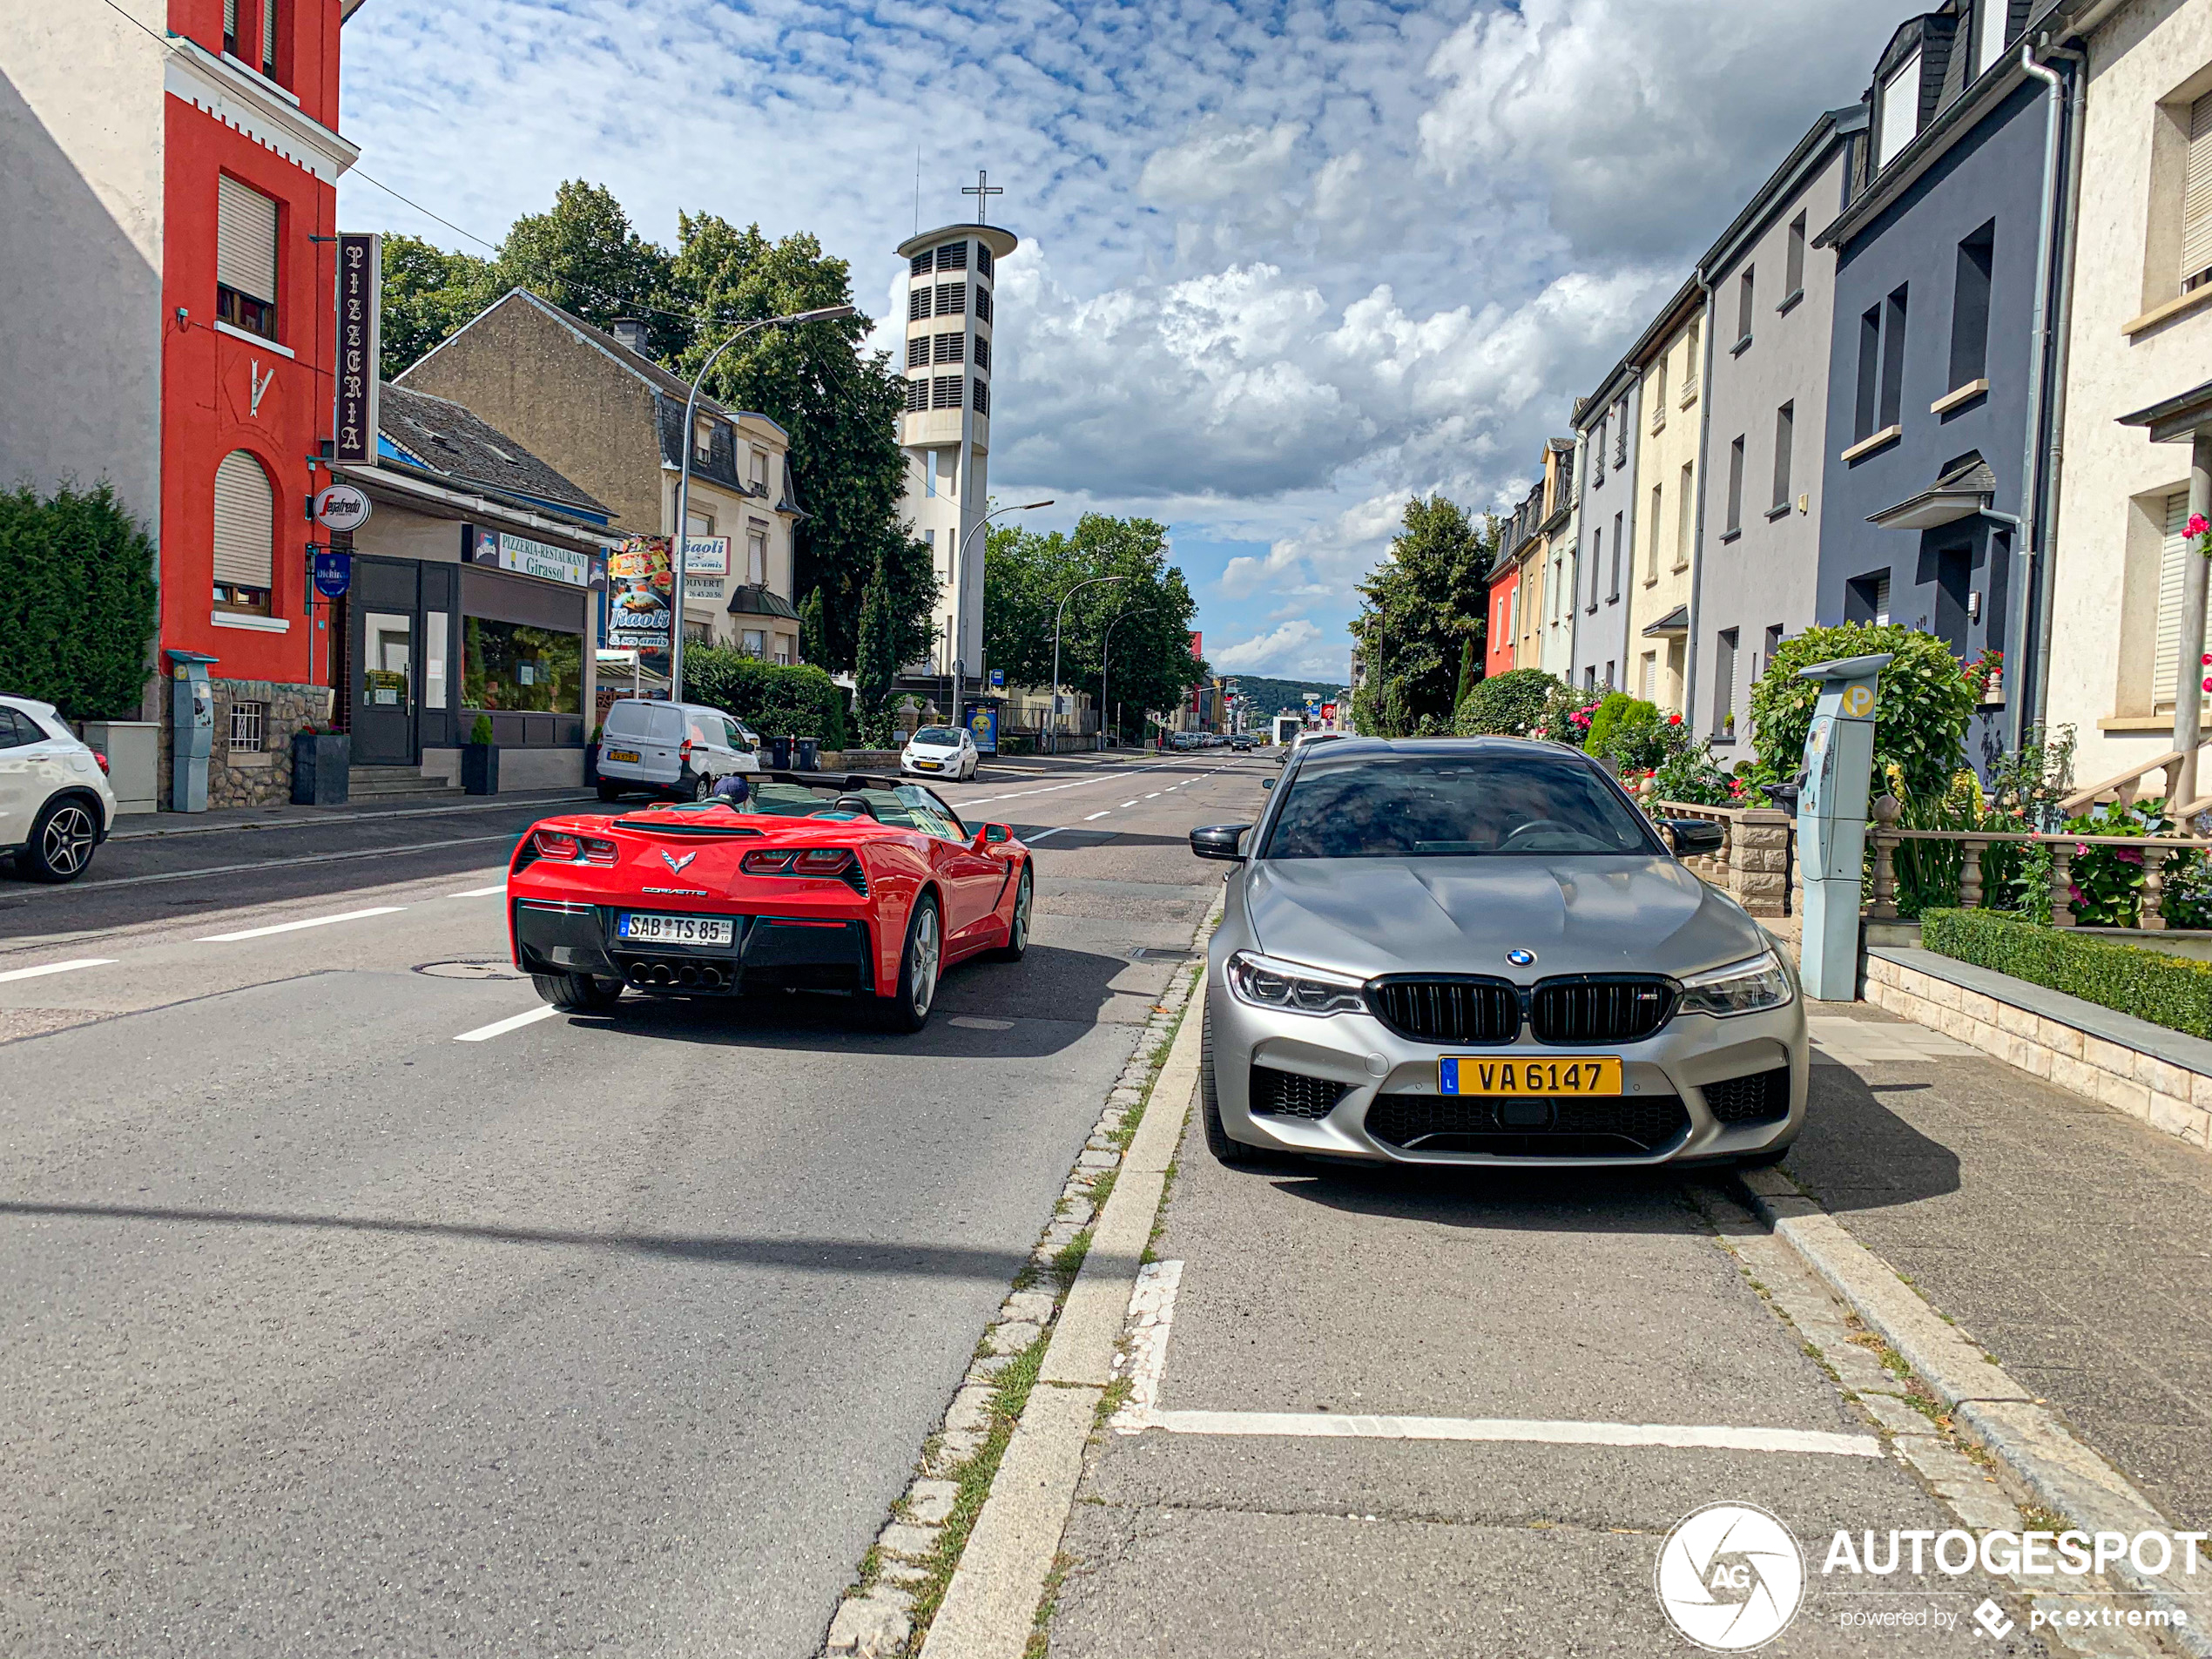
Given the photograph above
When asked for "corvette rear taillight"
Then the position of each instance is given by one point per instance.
(830, 861)
(572, 849)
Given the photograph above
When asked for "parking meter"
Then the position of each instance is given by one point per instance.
(192, 730)
(1832, 822)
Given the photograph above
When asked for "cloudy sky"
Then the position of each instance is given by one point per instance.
(1284, 265)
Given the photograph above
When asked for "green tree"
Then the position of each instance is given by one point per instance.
(877, 667)
(585, 257)
(427, 294)
(813, 644)
(1423, 610)
(77, 602)
(1150, 612)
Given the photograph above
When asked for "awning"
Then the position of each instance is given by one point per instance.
(756, 599)
(1965, 489)
(2176, 418)
(1675, 622)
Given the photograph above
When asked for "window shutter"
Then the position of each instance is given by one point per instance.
(268, 37)
(245, 240)
(245, 523)
(230, 22)
(2196, 194)
(2174, 557)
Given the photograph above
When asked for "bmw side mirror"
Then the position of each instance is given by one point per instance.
(1220, 841)
(1267, 783)
(1695, 836)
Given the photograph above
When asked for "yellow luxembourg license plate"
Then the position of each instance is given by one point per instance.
(629, 756)
(1560, 1075)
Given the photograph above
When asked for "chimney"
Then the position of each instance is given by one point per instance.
(630, 331)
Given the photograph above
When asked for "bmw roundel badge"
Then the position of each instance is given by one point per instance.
(1522, 958)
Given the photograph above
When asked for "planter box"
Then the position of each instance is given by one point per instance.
(479, 768)
(321, 769)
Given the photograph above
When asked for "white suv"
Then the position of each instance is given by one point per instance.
(55, 803)
(680, 750)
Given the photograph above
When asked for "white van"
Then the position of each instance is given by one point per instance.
(679, 750)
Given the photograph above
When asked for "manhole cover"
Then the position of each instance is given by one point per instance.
(1153, 954)
(472, 967)
(976, 1022)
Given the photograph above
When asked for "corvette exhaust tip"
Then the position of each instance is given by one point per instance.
(638, 975)
(663, 975)
(687, 975)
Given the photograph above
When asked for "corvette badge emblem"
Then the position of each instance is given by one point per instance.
(676, 864)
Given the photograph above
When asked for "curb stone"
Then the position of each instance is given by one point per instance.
(2042, 1455)
(875, 1621)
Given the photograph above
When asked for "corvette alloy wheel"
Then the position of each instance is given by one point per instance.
(1017, 932)
(923, 984)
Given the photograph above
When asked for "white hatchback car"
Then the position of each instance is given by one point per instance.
(55, 803)
(679, 750)
(941, 752)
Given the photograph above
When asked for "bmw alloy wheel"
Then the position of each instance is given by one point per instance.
(66, 845)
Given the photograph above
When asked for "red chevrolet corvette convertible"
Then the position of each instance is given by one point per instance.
(864, 885)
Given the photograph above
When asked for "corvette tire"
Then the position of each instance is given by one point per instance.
(578, 993)
(918, 964)
(1017, 935)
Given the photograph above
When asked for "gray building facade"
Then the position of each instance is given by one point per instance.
(1766, 405)
(1606, 426)
(1930, 485)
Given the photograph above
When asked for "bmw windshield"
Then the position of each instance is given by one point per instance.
(1487, 801)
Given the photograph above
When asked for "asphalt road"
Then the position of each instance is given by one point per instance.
(330, 1333)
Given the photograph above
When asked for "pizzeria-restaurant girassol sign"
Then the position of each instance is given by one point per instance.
(527, 558)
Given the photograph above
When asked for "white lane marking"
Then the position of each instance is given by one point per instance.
(1127, 802)
(1087, 819)
(478, 892)
(294, 927)
(1053, 789)
(272, 863)
(512, 1023)
(56, 968)
(1038, 835)
(1345, 1426)
(1151, 1312)
(1154, 795)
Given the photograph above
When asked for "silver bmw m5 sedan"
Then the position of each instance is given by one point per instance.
(1480, 951)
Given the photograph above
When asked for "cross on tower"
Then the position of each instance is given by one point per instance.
(982, 190)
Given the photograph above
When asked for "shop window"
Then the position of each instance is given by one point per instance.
(245, 535)
(510, 665)
(246, 258)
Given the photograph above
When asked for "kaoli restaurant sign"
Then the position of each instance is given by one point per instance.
(641, 584)
(526, 557)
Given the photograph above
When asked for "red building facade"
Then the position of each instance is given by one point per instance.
(251, 161)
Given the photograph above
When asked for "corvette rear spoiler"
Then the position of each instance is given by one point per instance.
(843, 783)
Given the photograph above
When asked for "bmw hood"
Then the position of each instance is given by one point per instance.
(1461, 915)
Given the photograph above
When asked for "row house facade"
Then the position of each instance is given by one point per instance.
(1605, 431)
(1671, 366)
(181, 158)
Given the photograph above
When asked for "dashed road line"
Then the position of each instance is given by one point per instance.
(512, 1023)
(478, 892)
(56, 968)
(1104, 814)
(294, 927)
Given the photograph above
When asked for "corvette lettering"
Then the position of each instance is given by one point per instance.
(688, 892)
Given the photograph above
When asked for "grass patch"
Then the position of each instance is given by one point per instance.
(1009, 1396)
(1102, 1187)
(1113, 1397)
(1040, 1643)
(1068, 1260)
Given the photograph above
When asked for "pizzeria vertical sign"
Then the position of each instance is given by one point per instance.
(360, 284)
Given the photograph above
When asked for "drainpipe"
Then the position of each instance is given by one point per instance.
(2062, 330)
(1697, 531)
(2023, 607)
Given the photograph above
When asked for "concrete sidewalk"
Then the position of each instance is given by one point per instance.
(2069, 1240)
(140, 827)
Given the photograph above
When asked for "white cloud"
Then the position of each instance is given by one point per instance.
(1298, 650)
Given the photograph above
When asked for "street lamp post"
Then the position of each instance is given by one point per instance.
(824, 313)
(960, 595)
(1057, 616)
(1102, 650)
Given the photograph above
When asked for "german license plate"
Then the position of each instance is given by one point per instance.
(626, 755)
(675, 930)
(1521, 1075)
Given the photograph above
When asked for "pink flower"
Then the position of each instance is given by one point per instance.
(2129, 855)
(1674, 719)
(2196, 525)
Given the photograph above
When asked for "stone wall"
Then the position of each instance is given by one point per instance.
(1753, 866)
(2175, 1098)
(246, 778)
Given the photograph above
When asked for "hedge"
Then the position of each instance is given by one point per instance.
(77, 602)
(775, 699)
(2172, 991)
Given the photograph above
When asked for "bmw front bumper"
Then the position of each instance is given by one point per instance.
(1700, 1088)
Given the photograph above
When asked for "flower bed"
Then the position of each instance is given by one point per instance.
(2172, 991)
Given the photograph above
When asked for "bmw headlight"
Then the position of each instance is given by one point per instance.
(1741, 988)
(1292, 988)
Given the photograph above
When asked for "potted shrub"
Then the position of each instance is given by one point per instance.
(479, 760)
(321, 766)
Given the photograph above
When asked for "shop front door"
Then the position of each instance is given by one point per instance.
(387, 652)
